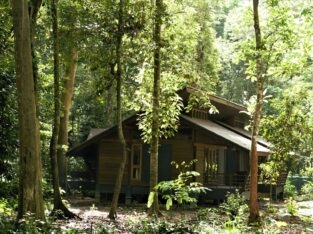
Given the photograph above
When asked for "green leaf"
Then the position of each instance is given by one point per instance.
(150, 199)
(169, 203)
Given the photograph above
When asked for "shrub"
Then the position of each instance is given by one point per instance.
(158, 226)
(307, 191)
(235, 204)
(290, 190)
(182, 190)
(9, 188)
(7, 206)
(7, 223)
(291, 206)
(203, 214)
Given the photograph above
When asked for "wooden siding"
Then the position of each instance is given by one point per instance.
(200, 162)
(181, 151)
(205, 138)
(109, 162)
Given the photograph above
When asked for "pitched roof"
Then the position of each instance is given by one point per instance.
(234, 135)
(95, 131)
(95, 136)
(226, 133)
(246, 133)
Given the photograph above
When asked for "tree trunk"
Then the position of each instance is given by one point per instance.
(30, 174)
(33, 13)
(254, 206)
(120, 173)
(154, 209)
(57, 200)
(66, 106)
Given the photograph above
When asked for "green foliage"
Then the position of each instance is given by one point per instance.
(214, 220)
(104, 229)
(188, 57)
(270, 172)
(290, 190)
(8, 127)
(9, 188)
(271, 209)
(181, 190)
(235, 204)
(307, 171)
(160, 226)
(7, 206)
(200, 99)
(307, 191)
(291, 206)
(288, 128)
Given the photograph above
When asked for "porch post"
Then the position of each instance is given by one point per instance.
(97, 193)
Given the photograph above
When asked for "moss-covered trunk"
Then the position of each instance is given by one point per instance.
(30, 174)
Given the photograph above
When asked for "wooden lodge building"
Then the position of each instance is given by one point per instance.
(218, 142)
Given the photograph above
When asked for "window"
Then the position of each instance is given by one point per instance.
(214, 160)
(136, 155)
(243, 161)
(210, 162)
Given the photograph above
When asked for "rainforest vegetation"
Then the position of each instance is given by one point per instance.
(67, 66)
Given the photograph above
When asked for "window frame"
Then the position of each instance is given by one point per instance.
(137, 166)
(211, 154)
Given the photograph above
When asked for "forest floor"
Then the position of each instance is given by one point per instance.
(92, 215)
(133, 218)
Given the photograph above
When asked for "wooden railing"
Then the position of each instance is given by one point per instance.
(232, 180)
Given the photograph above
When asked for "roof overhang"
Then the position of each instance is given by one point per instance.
(227, 134)
(97, 136)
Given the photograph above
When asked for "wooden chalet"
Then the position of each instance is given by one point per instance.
(218, 142)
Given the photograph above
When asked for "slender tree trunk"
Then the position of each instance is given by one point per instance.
(57, 200)
(33, 13)
(271, 193)
(120, 173)
(66, 106)
(154, 209)
(254, 206)
(30, 174)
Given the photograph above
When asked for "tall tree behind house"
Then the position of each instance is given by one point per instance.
(57, 200)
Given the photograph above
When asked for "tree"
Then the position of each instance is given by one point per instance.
(30, 175)
(289, 129)
(57, 200)
(154, 144)
(68, 88)
(260, 76)
(34, 7)
(119, 82)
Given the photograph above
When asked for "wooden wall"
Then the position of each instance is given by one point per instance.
(181, 151)
(110, 154)
(200, 162)
(178, 149)
(207, 138)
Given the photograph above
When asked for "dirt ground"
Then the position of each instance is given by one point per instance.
(306, 208)
(92, 215)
